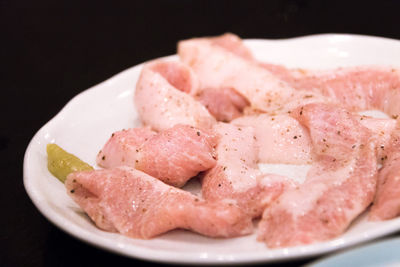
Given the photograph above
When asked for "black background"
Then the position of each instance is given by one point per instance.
(51, 51)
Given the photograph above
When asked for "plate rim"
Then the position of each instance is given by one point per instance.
(163, 256)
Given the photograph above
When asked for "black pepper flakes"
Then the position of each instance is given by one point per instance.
(198, 133)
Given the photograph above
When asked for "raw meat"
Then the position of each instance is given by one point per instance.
(217, 67)
(173, 156)
(339, 186)
(280, 139)
(161, 105)
(177, 154)
(137, 205)
(236, 177)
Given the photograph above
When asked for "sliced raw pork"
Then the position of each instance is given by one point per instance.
(137, 205)
(225, 103)
(236, 178)
(174, 155)
(217, 67)
(280, 139)
(177, 154)
(356, 88)
(162, 97)
(340, 185)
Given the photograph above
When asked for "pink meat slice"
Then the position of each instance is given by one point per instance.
(356, 88)
(280, 138)
(217, 67)
(137, 205)
(387, 199)
(177, 154)
(225, 104)
(236, 177)
(340, 185)
(122, 147)
(163, 97)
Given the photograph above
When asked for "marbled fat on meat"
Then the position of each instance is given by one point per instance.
(339, 186)
(236, 177)
(280, 138)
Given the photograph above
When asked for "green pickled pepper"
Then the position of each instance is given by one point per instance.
(61, 163)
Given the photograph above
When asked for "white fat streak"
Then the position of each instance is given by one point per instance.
(297, 173)
(374, 114)
(301, 201)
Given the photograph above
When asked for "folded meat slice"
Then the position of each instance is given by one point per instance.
(122, 147)
(163, 97)
(217, 67)
(225, 103)
(236, 177)
(177, 154)
(173, 156)
(387, 199)
(280, 138)
(137, 205)
(339, 186)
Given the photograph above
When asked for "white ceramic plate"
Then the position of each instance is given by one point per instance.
(87, 121)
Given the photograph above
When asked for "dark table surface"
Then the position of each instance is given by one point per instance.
(52, 50)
